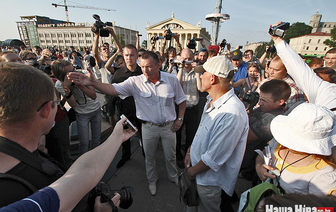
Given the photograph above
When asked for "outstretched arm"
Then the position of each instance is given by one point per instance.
(89, 169)
(90, 80)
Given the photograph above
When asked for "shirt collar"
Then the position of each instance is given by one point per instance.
(161, 78)
(221, 101)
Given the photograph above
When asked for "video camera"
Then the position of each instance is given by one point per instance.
(251, 98)
(169, 34)
(106, 194)
(180, 62)
(279, 30)
(192, 43)
(271, 49)
(223, 44)
(155, 38)
(100, 26)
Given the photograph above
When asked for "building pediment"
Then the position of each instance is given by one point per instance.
(173, 23)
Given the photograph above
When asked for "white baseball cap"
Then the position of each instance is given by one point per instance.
(218, 65)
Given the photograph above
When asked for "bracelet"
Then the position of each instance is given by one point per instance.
(69, 95)
(188, 153)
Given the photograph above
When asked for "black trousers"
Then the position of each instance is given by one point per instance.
(191, 121)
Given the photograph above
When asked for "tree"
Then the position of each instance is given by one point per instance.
(297, 29)
(260, 50)
(331, 42)
(144, 44)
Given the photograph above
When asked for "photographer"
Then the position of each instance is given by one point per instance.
(191, 85)
(88, 169)
(171, 51)
(272, 101)
(9, 56)
(317, 90)
(85, 102)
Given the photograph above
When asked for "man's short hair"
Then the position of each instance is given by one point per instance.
(5, 52)
(315, 60)
(57, 68)
(249, 50)
(326, 71)
(23, 89)
(277, 58)
(141, 51)
(131, 46)
(331, 51)
(149, 54)
(118, 57)
(279, 89)
(24, 53)
(203, 50)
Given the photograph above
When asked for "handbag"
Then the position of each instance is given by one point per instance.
(188, 189)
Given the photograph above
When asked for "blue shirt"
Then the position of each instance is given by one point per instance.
(241, 73)
(45, 199)
(220, 142)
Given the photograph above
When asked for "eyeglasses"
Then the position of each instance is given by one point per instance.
(58, 101)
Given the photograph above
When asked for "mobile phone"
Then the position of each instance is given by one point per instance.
(128, 123)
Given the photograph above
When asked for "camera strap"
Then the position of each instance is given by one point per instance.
(17, 151)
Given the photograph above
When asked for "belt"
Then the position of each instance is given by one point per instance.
(159, 125)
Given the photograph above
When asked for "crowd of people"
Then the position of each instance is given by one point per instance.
(225, 104)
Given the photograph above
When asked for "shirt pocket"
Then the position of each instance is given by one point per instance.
(170, 99)
(145, 98)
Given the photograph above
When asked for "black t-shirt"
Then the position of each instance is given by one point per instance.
(126, 106)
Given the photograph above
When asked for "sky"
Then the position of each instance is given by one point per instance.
(249, 19)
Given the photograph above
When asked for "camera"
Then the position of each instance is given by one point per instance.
(105, 192)
(279, 30)
(100, 26)
(271, 49)
(128, 123)
(155, 38)
(223, 44)
(169, 34)
(180, 62)
(251, 98)
(192, 43)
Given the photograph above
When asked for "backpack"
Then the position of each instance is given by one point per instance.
(250, 199)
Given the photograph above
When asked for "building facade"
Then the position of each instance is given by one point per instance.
(318, 26)
(311, 44)
(63, 35)
(253, 46)
(185, 31)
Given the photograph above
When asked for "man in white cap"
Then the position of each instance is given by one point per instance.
(218, 147)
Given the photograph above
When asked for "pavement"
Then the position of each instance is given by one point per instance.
(133, 174)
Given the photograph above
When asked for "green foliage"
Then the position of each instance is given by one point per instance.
(331, 42)
(297, 29)
(262, 48)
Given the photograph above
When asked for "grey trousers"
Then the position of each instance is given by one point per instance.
(210, 199)
(151, 136)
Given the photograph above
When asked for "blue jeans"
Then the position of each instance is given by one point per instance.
(83, 120)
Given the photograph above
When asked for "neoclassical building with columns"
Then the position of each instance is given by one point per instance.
(185, 31)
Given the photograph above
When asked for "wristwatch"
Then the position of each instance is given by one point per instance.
(180, 119)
